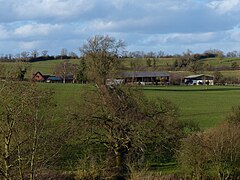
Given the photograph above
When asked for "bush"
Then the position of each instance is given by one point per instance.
(214, 153)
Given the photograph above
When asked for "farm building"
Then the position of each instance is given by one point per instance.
(146, 77)
(54, 79)
(39, 77)
(200, 79)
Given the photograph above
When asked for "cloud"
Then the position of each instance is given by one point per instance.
(189, 38)
(42, 10)
(36, 30)
(3, 33)
(143, 24)
(28, 45)
(234, 35)
(225, 6)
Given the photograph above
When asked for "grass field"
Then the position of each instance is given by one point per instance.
(47, 67)
(221, 62)
(160, 62)
(207, 105)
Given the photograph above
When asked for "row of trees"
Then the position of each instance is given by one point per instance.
(35, 55)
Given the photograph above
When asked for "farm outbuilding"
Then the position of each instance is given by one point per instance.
(147, 77)
(54, 79)
(39, 77)
(200, 79)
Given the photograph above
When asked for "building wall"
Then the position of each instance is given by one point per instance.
(38, 77)
(199, 82)
(147, 80)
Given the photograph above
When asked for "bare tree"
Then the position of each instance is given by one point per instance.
(117, 117)
(64, 53)
(73, 55)
(216, 151)
(25, 140)
(101, 54)
(192, 156)
(66, 69)
(34, 53)
(25, 55)
(45, 53)
(161, 53)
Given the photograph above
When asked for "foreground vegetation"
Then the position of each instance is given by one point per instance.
(78, 150)
(102, 131)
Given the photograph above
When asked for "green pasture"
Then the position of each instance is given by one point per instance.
(142, 62)
(221, 62)
(47, 67)
(233, 73)
(207, 105)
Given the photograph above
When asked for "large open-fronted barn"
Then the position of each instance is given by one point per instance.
(147, 77)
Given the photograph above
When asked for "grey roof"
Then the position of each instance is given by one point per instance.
(197, 76)
(54, 78)
(146, 74)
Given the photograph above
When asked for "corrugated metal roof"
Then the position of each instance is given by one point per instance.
(197, 76)
(146, 74)
(54, 78)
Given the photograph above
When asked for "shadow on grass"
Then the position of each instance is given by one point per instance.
(191, 89)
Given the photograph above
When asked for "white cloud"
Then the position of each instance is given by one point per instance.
(142, 24)
(28, 45)
(42, 9)
(234, 35)
(3, 33)
(225, 6)
(190, 38)
(36, 30)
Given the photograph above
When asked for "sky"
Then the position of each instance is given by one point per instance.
(172, 26)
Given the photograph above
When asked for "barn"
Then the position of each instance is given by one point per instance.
(147, 77)
(200, 79)
(39, 77)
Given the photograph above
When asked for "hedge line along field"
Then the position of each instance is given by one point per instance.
(207, 105)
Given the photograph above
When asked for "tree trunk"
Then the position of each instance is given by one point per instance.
(6, 157)
(34, 145)
(122, 169)
(19, 163)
